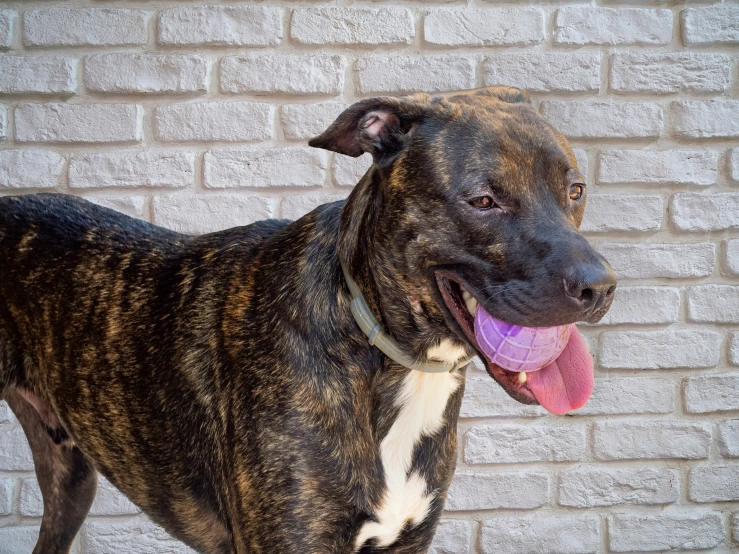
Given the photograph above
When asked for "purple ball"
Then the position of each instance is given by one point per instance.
(517, 348)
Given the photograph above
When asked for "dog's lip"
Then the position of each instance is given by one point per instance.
(454, 304)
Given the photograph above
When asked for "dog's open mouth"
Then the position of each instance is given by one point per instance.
(560, 387)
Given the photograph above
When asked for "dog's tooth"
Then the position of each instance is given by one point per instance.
(466, 294)
(471, 304)
(522, 377)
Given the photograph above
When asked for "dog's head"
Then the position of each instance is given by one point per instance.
(471, 199)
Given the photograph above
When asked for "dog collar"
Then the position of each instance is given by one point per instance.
(378, 338)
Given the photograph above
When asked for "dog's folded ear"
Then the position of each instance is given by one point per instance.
(380, 126)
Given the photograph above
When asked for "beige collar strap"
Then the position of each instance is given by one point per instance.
(381, 340)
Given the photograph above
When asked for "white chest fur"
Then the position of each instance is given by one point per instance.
(422, 401)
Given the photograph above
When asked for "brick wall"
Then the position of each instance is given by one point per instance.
(196, 117)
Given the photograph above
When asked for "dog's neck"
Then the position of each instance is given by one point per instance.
(417, 409)
(387, 345)
(362, 258)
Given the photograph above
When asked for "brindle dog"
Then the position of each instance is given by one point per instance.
(221, 382)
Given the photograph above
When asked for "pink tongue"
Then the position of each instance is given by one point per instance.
(566, 383)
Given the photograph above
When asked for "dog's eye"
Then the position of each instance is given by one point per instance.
(576, 191)
(482, 202)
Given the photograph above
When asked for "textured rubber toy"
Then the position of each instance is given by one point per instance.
(517, 348)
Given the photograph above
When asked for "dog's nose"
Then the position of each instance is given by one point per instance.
(590, 284)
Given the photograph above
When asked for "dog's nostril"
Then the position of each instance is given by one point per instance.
(574, 288)
(610, 291)
(586, 295)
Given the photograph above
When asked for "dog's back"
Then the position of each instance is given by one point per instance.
(51, 246)
(61, 256)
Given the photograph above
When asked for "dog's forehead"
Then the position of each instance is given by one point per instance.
(509, 144)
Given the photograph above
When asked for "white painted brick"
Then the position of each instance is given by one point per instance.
(498, 444)
(728, 438)
(705, 118)
(583, 25)
(734, 164)
(84, 27)
(620, 212)
(711, 25)
(670, 72)
(644, 261)
(7, 25)
(643, 305)
(15, 455)
(544, 71)
(587, 487)
(27, 169)
(713, 303)
(666, 531)
(37, 74)
(735, 527)
(628, 440)
(642, 395)
(6, 496)
(296, 206)
(148, 168)
(146, 73)
(596, 119)
(134, 206)
(692, 211)
(712, 393)
(305, 121)
(731, 257)
(669, 349)
(493, 491)
(86, 123)
(135, 537)
(582, 160)
(14, 540)
(347, 171)
(509, 26)
(541, 535)
(208, 213)
(221, 26)
(414, 73)
(213, 121)
(452, 537)
(3, 122)
(734, 349)
(290, 74)
(265, 167)
(108, 500)
(484, 397)
(660, 260)
(347, 26)
(5, 413)
(658, 167)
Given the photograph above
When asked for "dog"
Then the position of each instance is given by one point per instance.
(222, 382)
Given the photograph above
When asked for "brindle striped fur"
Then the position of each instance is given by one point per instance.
(220, 381)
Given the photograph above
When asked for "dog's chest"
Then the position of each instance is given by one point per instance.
(422, 400)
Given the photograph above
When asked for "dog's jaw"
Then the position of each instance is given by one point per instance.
(459, 309)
